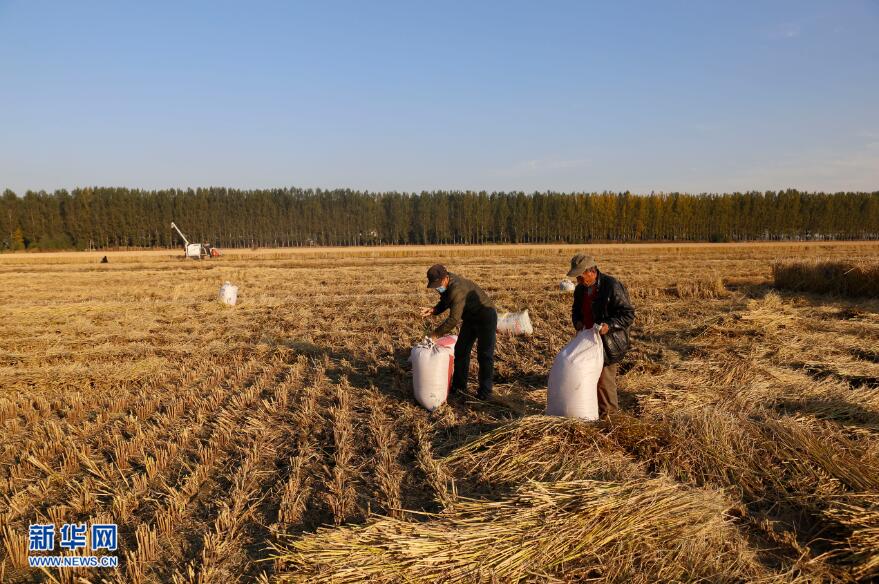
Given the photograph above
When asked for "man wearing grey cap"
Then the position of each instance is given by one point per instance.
(473, 309)
(600, 299)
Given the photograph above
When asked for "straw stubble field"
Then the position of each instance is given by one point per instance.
(277, 440)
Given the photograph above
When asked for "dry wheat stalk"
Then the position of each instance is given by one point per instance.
(341, 493)
(439, 479)
(388, 474)
(541, 448)
(860, 514)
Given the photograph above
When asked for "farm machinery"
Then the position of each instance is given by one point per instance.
(196, 251)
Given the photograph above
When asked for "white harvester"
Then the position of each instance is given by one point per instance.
(196, 251)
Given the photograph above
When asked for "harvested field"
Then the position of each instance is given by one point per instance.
(278, 441)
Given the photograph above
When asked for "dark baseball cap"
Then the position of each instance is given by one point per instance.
(435, 275)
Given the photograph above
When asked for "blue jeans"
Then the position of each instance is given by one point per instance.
(482, 330)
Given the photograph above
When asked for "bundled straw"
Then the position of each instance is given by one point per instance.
(542, 448)
(820, 456)
(704, 287)
(780, 467)
(830, 277)
(645, 530)
(707, 446)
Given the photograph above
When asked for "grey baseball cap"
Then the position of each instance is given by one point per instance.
(580, 263)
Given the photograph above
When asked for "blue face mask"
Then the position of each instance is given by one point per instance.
(440, 289)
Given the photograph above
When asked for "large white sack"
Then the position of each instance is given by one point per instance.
(228, 294)
(566, 286)
(432, 366)
(517, 323)
(573, 380)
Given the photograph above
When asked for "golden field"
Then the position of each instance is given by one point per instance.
(278, 440)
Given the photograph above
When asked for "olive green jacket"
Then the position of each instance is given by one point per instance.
(464, 300)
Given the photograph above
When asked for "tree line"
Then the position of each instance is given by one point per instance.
(108, 217)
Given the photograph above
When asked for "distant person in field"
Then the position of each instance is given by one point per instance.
(600, 299)
(470, 307)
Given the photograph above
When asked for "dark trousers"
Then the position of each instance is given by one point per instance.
(482, 330)
(607, 391)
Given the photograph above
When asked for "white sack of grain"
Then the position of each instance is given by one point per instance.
(566, 286)
(228, 294)
(515, 323)
(572, 390)
(432, 366)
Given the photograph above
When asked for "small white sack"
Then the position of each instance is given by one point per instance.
(572, 390)
(432, 366)
(228, 294)
(516, 323)
(566, 286)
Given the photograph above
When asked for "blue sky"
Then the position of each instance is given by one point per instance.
(573, 96)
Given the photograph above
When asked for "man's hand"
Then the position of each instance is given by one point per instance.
(425, 312)
(578, 326)
(603, 329)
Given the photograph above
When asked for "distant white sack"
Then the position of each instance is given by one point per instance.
(516, 323)
(566, 286)
(228, 294)
(433, 364)
(572, 390)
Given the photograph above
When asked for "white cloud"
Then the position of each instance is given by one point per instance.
(542, 166)
(787, 30)
(856, 170)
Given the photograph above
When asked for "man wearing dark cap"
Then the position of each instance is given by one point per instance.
(473, 309)
(600, 299)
